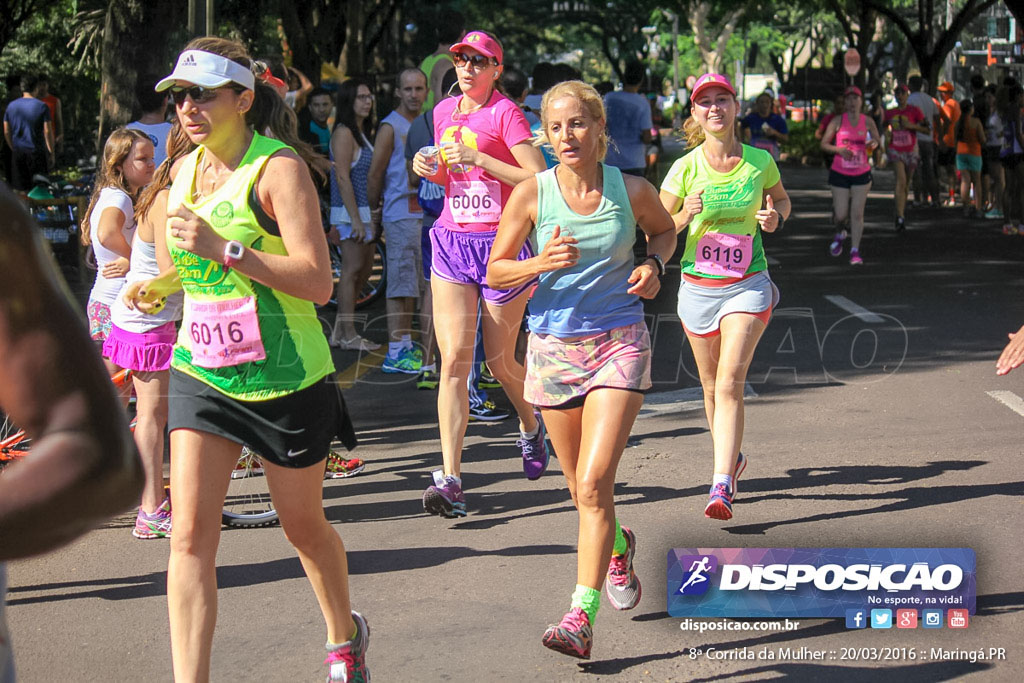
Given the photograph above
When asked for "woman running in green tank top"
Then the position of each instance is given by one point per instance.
(251, 365)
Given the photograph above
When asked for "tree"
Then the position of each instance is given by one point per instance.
(314, 30)
(930, 41)
(135, 44)
(13, 14)
(711, 33)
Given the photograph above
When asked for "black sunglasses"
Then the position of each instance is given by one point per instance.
(478, 61)
(198, 93)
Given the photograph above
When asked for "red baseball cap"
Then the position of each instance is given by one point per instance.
(482, 43)
(853, 90)
(902, 88)
(711, 80)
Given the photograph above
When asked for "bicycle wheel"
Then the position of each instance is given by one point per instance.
(14, 443)
(375, 285)
(378, 280)
(248, 501)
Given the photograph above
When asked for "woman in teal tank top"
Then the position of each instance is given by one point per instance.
(251, 365)
(589, 355)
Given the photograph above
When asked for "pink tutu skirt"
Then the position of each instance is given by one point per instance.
(147, 352)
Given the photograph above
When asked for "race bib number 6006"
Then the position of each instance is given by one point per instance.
(475, 201)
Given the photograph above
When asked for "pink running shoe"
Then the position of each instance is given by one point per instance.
(741, 464)
(573, 636)
(719, 503)
(348, 662)
(156, 525)
(622, 585)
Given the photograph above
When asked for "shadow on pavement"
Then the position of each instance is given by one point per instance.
(908, 499)
(241, 575)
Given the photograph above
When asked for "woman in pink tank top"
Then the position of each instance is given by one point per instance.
(851, 137)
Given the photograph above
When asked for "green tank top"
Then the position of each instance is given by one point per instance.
(426, 66)
(295, 349)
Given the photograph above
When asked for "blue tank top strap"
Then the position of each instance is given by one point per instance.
(359, 175)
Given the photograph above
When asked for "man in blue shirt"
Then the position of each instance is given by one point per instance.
(763, 128)
(629, 123)
(28, 131)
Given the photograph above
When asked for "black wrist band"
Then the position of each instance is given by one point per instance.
(657, 260)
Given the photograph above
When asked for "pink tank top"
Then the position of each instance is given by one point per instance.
(853, 138)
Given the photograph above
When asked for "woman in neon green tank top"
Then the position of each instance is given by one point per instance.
(251, 365)
(715, 194)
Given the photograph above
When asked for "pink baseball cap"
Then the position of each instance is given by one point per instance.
(710, 80)
(482, 43)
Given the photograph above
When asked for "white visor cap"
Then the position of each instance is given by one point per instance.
(208, 70)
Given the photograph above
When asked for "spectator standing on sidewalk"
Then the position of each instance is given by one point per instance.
(153, 120)
(969, 136)
(763, 128)
(350, 216)
(947, 142)
(28, 130)
(438, 63)
(629, 123)
(926, 185)
(990, 155)
(56, 112)
(1009, 101)
(388, 185)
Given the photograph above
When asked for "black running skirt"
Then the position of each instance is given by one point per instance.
(292, 431)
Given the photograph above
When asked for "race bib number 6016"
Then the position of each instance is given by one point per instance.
(224, 333)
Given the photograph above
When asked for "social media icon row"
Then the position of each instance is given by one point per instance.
(905, 618)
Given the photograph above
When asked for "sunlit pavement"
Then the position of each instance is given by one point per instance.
(874, 418)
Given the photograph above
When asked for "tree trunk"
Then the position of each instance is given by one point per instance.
(931, 45)
(712, 45)
(134, 46)
(351, 62)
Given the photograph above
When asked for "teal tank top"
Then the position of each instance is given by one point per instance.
(589, 297)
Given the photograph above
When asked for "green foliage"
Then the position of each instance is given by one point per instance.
(802, 143)
(41, 46)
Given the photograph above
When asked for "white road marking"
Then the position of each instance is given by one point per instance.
(857, 310)
(681, 401)
(772, 261)
(1010, 400)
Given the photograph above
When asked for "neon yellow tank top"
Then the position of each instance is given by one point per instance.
(426, 66)
(296, 351)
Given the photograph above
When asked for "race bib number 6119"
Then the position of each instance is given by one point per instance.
(723, 254)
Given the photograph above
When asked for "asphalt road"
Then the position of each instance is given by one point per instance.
(869, 423)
